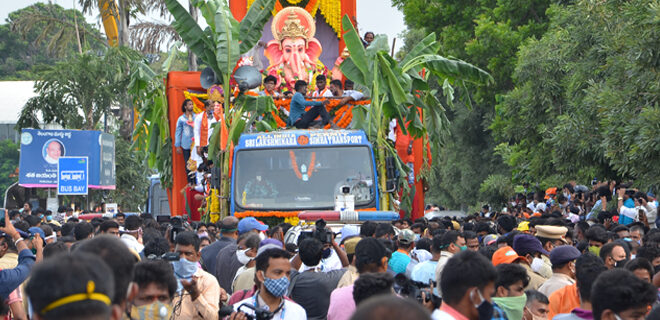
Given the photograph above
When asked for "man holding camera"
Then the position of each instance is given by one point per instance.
(273, 270)
(312, 288)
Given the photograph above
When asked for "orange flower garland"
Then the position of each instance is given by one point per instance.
(264, 214)
(294, 164)
(280, 122)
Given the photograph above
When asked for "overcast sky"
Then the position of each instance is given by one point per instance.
(373, 15)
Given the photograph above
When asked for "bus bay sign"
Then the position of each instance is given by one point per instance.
(72, 178)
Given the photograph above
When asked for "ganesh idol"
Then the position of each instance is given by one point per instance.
(294, 52)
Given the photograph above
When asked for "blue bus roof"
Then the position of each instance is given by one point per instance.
(302, 138)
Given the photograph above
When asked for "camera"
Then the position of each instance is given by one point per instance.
(414, 289)
(345, 189)
(259, 314)
(168, 256)
(321, 233)
(177, 227)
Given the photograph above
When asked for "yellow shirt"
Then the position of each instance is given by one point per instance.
(206, 306)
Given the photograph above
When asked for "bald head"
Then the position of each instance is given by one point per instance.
(229, 227)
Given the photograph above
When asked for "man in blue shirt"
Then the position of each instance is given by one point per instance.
(184, 133)
(301, 119)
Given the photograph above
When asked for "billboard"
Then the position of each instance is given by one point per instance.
(41, 150)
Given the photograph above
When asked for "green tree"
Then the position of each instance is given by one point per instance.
(8, 164)
(77, 92)
(395, 86)
(131, 179)
(587, 96)
(41, 34)
(487, 33)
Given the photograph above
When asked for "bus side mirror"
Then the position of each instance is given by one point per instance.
(392, 174)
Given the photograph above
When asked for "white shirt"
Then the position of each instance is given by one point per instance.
(441, 315)
(290, 310)
(132, 243)
(356, 95)
(325, 93)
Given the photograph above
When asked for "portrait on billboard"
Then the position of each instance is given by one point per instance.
(52, 150)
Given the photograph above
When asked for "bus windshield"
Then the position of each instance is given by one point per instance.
(302, 178)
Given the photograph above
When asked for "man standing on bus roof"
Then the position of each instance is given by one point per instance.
(302, 119)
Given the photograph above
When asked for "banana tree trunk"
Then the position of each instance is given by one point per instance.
(192, 57)
(225, 155)
(382, 168)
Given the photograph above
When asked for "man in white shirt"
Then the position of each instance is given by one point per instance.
(321, 90)
(132, 233)
(347, 95)
(272, 273)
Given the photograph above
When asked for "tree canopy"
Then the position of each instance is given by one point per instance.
(575, 94)
(42, 34)
(586, 96)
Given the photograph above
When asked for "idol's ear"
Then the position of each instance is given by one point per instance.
(313, 49)
(273, 52)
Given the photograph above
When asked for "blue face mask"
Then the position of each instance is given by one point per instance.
(49, 218)
(276, 287)
(326, 253)
(184, 269)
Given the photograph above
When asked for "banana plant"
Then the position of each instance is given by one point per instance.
(220, 46)
(152, 130)
(400, 90)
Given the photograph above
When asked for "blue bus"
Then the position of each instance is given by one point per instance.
(296, 170)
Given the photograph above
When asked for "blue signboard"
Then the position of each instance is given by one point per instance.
(72, 178)
(41, 149)
(302, 138)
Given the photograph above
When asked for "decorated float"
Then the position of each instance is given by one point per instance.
(266, 171)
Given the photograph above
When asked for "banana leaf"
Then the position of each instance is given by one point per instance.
(427, 46)
(191, 33)
(208, 9)
(252, 25)
(356, 49)
(226, 41)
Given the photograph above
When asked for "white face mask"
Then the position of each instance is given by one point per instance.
(243, 257)
(537, 264)
(262, 236)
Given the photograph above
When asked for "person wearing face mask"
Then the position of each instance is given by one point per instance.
(536, 306)
(245, 280)
(452, 243)
(233, 257)
(615, 254)
(597, 237)
(156, 288)
(550, 237)
(246, 256)
(510, 299)
(198, 292)
(273, 270)
(528, 247)
(563, 268)
(468, 282)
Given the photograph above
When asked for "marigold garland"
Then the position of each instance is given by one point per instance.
(294, 164)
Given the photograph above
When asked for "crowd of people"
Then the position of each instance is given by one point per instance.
(515, 264)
